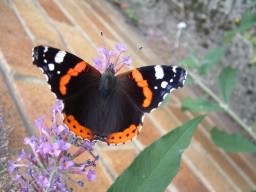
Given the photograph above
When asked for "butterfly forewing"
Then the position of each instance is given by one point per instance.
(66, 73)
(147, 86)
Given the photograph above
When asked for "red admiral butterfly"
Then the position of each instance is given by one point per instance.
(105, 107)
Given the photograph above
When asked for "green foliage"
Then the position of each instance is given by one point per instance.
(212, 58)
(232, 142)
(248, 20)
(227, 79)
(191, 62)
(199, 105)
(131, 14)
(156, 165)
(202, 66)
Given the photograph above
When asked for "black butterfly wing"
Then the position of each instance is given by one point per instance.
(87, 112)
(114, 119)
(147, 86)
(139, 91)
(67, 74)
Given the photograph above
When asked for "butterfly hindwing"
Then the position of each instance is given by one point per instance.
(65, 72)
(114, 119)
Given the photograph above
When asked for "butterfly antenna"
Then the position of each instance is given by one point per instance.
(140, 48)
(103, 44)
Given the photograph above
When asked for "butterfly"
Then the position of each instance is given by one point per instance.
(105, 106)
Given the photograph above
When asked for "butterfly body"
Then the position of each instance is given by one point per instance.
(106, 107)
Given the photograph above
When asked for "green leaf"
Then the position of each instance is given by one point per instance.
(227, 80)
(248, 20)
(190, 62)
(189, 80)
(212, 58)
(232, 142)
(199, 105)
(156, 165)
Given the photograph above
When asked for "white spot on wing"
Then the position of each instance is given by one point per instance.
(58, 72)
(45, 49)
(60, 56)
(33, 58)
(142, 118)
(171, 80)
(155, 87)
(164, 84)
(46, 77)
(51, 67)
(174, 69)
(45, 60)
(159, 72)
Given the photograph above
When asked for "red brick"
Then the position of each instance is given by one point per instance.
(87, 25)
(14, 42)
(37, 23)
(54, 12)
(164, 119)
(12, 119)
(187, 181)
(76, 42)
(37, 99)
(248, 164)
(118, 160)
(148, 133)
(89, 12)
(207, 168)
(220, 159)
(125, 32)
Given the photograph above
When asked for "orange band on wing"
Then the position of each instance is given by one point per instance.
(75, 127)
(64, 80)
(122, 137)
(138, 78)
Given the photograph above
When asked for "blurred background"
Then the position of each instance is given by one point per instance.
(214, 40)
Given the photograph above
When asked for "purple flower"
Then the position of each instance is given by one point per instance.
(45, 148)
(43, 181)
(88, 145)
(31, 141)
(120, 47)
(23, 155)
(12, 166)
(39, 123)
(91, 175)
(59, 129)
(59, 146)
(127, 60)
(114, 57)
(65, 163)
(106, 54)
(57, 108)
(99, 64)
(50, 164)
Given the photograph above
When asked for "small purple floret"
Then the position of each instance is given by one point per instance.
(50, 164)
(113, 57)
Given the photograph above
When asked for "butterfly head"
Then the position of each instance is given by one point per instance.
(110, 68)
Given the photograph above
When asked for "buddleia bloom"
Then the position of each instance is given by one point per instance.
(50, 162)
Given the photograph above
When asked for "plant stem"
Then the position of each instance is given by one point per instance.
(51, 178)
(225, 107)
